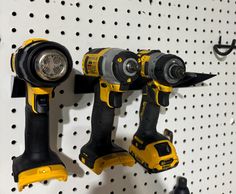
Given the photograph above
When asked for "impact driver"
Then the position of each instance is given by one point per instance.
(116, 69)
(154, 151)
(43, 65)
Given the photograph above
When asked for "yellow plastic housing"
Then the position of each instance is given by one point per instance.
(159, 87)
(25, 43)
(150, 158)
(114, 159)
(34, 91)
(41, 174)
(90, 62)
(105, 91)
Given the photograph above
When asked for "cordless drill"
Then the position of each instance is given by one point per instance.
(154, 151)
(116, 69)
(43, 65)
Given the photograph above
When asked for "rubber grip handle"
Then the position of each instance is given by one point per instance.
(149, 113)
(36, 132)
(37, 149)
(102, 121)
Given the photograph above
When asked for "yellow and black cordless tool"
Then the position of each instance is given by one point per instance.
(154, 151)
(117, 69)
(43, 65)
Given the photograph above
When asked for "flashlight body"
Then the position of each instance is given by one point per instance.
(34, 62)
(112, 66)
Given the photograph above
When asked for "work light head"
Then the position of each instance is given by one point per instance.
(42, 63)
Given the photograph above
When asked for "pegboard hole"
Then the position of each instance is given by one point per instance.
(13, 110)
(14, 13)
(77, 4)
(13, 189)
(13, 142)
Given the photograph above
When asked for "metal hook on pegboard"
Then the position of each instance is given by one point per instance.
(230, 48)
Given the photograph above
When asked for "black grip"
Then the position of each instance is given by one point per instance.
(163, 98)
(37, 149)
(100, 143)
(102, 121)
(149, 114)
(36, 131)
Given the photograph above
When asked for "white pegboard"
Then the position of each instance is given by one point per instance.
(200, 117)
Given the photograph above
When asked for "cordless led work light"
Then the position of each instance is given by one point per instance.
(43, 65)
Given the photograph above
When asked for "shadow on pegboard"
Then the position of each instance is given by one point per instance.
(59, 116)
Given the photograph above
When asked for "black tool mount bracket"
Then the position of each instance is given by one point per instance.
(85, 84)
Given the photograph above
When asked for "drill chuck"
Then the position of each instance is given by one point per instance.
(132, 67)
(169, 69)
(177, 72)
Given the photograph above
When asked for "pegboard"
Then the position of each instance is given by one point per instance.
(202, 118)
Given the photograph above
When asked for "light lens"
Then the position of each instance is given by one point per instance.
(51, 65)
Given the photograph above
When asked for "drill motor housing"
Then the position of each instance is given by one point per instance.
(166, 69)
(110, 64)
(117, 69)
